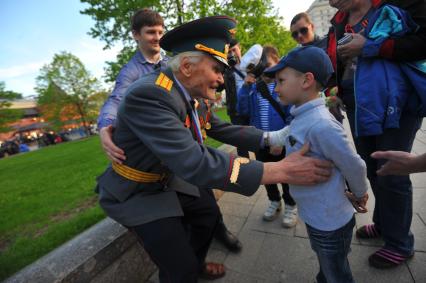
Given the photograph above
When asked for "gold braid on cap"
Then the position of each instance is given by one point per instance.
(212, 51)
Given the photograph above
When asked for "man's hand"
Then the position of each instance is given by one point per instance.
(297, 169)
(399, 163)
(113, 152)
(353, 48)
(360, 204)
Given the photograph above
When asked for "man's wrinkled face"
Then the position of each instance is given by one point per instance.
(148, 38)
(206, 76)
(303, 32)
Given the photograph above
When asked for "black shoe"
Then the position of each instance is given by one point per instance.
(229, 240)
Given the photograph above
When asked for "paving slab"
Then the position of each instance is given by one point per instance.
(417, 267)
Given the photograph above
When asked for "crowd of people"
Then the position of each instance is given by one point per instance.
(153, 127)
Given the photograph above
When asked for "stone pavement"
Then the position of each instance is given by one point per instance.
(272, 253)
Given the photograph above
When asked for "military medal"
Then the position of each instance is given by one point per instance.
(208, 126)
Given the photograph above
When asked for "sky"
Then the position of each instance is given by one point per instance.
(32, 31)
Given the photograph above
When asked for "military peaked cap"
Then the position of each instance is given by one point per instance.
(210, 34)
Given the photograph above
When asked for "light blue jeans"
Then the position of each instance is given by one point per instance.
(332, 249)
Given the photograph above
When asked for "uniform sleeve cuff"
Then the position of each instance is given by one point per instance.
(245, 176)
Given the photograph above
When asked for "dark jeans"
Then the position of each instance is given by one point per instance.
(244, 121)
(393, 209)
(272, 189)
(332, 249)
(179, 245)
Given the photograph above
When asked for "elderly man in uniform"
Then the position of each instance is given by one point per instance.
(147, 28)
(162, 191)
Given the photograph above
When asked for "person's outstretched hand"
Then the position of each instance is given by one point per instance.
(399, 162)
(113, 152)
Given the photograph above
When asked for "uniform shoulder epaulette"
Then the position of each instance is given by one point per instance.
(164, 82)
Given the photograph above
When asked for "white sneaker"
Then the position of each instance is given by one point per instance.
(272, 211)
(290, 216)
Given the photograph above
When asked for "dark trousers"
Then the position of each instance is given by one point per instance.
(332, 249)
(393, 209)
(272, 189)
(179, 245)
(240, 120)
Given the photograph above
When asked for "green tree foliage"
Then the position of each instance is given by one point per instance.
(65, 88)
(258, 22)
(95, 103)
(55, 104)
(7, 115)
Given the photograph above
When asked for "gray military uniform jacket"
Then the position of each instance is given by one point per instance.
(153, 130)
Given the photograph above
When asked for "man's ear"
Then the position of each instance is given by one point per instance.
(186, 67)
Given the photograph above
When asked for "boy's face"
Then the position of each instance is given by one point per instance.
(148, 38)
(271, 61)
(235, 50)
(289, 86)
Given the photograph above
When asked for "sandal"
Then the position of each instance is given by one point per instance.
(212, 271)
(385, 258)
(368, 231)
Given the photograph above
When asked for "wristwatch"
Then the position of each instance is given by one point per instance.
(266, 142)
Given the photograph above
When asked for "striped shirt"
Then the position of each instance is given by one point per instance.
(264, 107)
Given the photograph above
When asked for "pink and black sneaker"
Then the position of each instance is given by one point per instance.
(385, 258)
(368, 231)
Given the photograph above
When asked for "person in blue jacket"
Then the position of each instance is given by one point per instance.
(262, 115)
(379, 112)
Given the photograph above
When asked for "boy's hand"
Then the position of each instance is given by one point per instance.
(249, 79)
(360, 204)
(276, 150)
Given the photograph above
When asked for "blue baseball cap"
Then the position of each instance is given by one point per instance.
(306, 59)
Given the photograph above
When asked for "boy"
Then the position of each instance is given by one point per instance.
(326, 210)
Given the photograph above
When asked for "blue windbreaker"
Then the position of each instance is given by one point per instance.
(383, 88)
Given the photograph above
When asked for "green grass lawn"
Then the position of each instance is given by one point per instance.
(47, 198)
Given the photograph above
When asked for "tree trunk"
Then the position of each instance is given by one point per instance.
(179, 7)
(83, 118)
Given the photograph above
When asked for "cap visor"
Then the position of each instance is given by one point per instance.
(270, 72)
(221, 60)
